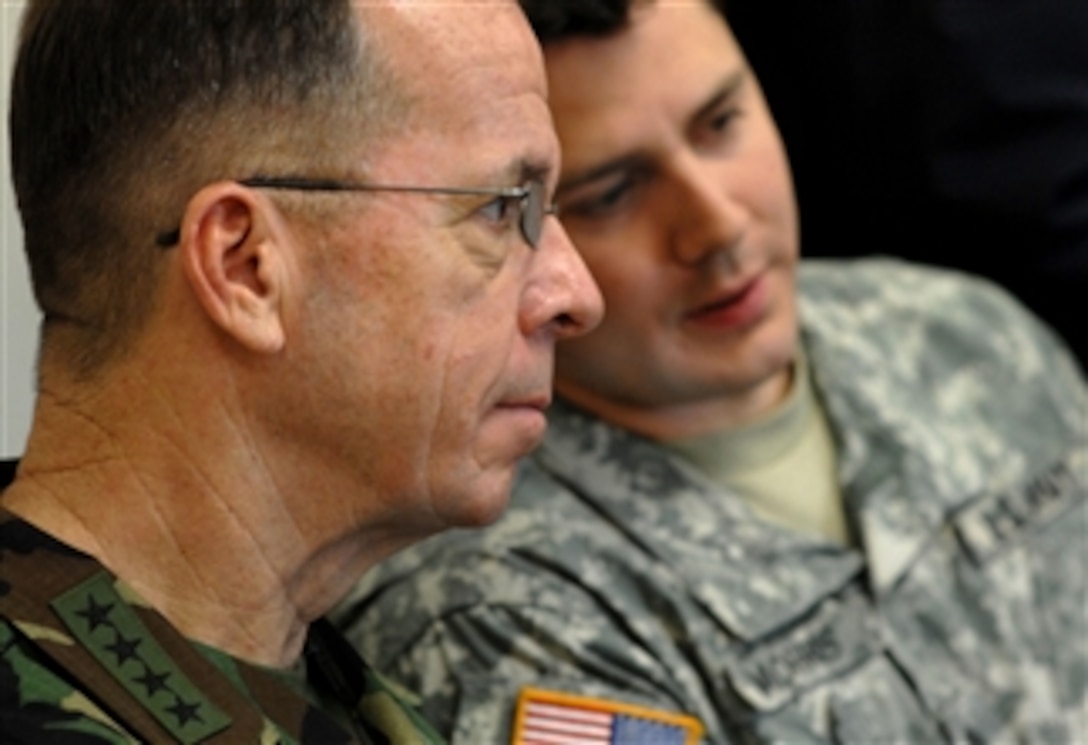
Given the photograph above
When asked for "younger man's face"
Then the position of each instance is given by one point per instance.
(676, 191)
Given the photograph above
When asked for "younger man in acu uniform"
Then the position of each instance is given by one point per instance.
(797, 502)
(301, 294)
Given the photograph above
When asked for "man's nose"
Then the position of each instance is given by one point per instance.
(708, 217)
(564, 297)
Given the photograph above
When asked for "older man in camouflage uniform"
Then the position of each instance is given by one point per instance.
(825, 502)
(301, 296)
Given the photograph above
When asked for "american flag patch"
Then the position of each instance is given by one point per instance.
(554, 718)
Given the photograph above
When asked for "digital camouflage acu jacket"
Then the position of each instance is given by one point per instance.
(622, 573)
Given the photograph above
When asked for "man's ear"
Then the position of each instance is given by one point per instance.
(234, 249)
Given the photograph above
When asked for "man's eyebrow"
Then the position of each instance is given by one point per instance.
(624, 163)
(636, 161)
(725, 90)
(534, 170)
(518, 171)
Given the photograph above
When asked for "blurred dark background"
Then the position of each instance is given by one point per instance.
(952, 132)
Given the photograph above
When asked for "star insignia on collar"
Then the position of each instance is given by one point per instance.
(124, 649)
(96, 615)
(185, 712)
(153, 682)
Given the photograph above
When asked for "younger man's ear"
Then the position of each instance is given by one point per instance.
(234, 253)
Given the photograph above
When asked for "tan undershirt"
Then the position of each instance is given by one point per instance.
(783, 465)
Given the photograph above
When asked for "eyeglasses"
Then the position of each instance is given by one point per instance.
(529, 199)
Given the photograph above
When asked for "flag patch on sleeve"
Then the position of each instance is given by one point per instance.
(552, 718)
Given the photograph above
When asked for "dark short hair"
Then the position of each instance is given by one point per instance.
(555, 20)
(120, 109)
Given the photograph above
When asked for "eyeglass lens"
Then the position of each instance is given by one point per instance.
(532, 212)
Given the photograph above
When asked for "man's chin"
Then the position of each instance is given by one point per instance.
(486, 503)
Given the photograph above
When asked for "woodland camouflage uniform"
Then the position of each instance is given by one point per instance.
(82, 660)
